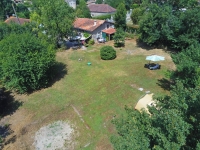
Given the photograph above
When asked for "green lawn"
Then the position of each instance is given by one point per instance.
(98, 92)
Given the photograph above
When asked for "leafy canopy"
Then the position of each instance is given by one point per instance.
(120, 16)
(25, 61)
(55, 18)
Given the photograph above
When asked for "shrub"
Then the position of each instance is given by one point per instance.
(107, 53)
(91, 42)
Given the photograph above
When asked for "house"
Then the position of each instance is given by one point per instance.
(89, 2)
(20, 21)
(71, 3)
(101, 9)
(97, 28)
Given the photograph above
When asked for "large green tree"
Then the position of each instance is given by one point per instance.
(82, 11)
(120, 17)
(55, 18)
(25, 62)
(170, 24)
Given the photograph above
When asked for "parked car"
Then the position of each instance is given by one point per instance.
(101, 40)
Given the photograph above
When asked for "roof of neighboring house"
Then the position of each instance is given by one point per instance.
(15, 20)
(87, 24)
(109, 30)
(102, 8)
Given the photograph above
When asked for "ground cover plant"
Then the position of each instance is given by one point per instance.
(95, 94)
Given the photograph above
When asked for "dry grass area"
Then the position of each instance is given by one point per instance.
(97, 92)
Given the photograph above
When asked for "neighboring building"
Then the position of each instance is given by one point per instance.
(17, 20)
(71, 3)
(89, 2)
(92, 26)
(101, 9)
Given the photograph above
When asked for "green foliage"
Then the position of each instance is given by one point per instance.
(114, 3)
(57, 18)
(91, 42)
(25, 62)
(6, 29)
(103, 17)
(22, 11)
(119, 38)
(107, 53)
(129, 35)
(136, 14)
(187, 63)
(82, 11)
(120, 16)
(5, 9)
(167, 24)
(86, 35)
(99, 1)
(133, 6)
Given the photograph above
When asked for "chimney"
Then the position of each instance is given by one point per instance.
(95, 22)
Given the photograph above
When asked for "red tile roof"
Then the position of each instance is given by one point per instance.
(101, 8)
(15, 20)
(87, 24)
(109, 30)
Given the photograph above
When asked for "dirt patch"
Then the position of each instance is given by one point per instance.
(58, 135)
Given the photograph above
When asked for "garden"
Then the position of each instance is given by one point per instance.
(89, 96)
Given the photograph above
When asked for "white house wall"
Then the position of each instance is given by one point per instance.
(98, 32)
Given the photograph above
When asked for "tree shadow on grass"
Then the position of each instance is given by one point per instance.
(8, 105)
(4, 132)
(166, 84)
(58, 71)
(154, 46)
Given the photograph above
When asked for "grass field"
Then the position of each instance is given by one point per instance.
(90, 96)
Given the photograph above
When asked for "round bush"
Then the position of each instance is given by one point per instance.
(107, 53)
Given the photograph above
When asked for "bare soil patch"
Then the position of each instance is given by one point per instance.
(57, 135)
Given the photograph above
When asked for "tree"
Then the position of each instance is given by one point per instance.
(114, 3)
(5, 9)
(25, 62)
(120, 17)
(56, 18)
(82, 11)
(167, 23)
(136, 14)
(7, 29)
(119, 38)
(22, 11)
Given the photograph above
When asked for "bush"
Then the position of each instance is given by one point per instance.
(91, 42)
(107, 53)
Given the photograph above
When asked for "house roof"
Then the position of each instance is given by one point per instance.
(109, 30)
(15, 20)
(87, 24)
(102, 8)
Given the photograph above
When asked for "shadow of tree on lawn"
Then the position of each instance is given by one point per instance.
(57, 71)
(166, 84)
(8, 105)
